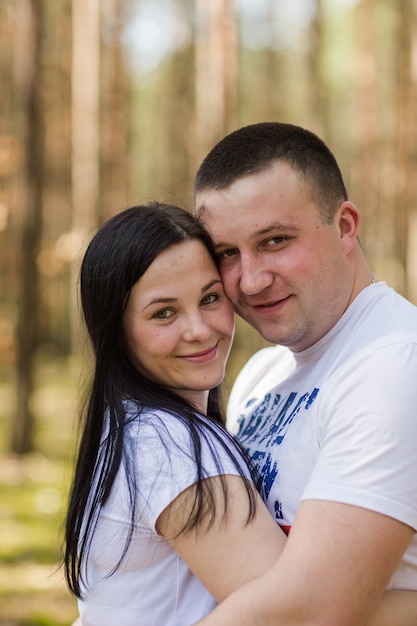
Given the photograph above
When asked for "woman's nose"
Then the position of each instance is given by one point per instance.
(196, 328)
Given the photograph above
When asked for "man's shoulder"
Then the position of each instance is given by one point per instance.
(378, 316)
(391, 304)
(264, 359)
(261, 372)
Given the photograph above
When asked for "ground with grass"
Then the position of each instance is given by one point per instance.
(33, 492)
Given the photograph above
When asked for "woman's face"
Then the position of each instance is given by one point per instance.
(178, 323)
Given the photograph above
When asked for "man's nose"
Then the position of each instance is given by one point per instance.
(255, 276)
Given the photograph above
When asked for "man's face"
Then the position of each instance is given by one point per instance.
(283, 268)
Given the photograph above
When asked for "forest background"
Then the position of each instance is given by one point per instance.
(110, 103)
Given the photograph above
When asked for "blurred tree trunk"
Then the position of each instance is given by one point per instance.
(408, 140)
(85, 133)
(113, 111)
(383, 138)
(365, 124)
(216, 67)
(178, 114)
(11, 153)
(407, 136)
(392, 72)
(53, 262)
(271, 91)
(85, 114)
(319, 90)
(265, 72)
(29, 17)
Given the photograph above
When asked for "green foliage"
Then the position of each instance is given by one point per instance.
(33, 492)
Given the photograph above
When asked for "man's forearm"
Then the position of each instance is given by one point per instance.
(330, 573)
(238, 610)
(397, 607)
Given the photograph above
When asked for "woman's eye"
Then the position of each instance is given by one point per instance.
(163, 314)
(212, 297)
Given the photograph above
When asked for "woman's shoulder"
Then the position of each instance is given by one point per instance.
(167, 425)
(160, 433)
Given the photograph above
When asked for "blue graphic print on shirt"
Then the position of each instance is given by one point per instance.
(266, 427)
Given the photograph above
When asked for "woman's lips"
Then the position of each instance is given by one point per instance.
(202, 356)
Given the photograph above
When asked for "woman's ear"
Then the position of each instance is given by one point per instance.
(348, 218)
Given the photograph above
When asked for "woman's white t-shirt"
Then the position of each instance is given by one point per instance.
(152, 586)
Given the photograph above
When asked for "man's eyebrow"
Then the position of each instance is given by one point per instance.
(278, 226)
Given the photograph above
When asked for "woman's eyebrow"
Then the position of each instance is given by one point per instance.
(215, 281)
(170, 300)
(160, 301)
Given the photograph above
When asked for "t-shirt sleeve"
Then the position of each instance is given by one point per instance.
(368, 434)
(255, 372)
(166, 465)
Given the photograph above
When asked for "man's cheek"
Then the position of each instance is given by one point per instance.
(230, 283)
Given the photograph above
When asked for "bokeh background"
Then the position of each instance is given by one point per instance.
(107, 103)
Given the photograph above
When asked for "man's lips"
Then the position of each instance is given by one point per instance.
(272, 307)
(268, 307)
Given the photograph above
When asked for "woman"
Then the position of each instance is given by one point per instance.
(163, 520)
(160, 489)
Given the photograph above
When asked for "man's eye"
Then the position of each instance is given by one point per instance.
(163, 314)
(228, 253)
(209, 299)
(273, 241)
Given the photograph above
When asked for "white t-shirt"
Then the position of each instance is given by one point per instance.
(338, 421)
(152, 586)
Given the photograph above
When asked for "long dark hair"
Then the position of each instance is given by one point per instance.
(116, 258)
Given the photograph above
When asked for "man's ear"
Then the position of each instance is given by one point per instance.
(348, 218)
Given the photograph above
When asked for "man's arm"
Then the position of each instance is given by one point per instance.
(398, 608)
(333, 571)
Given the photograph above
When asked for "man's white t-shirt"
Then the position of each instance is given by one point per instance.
(152, 586)
(338, 421)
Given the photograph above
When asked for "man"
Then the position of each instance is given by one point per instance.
(329, 415)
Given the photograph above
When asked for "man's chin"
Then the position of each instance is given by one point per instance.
(264, 328)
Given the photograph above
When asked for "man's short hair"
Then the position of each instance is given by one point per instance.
(257, 147)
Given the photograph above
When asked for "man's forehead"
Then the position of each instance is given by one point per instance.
(205, 217)
(205, 208)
